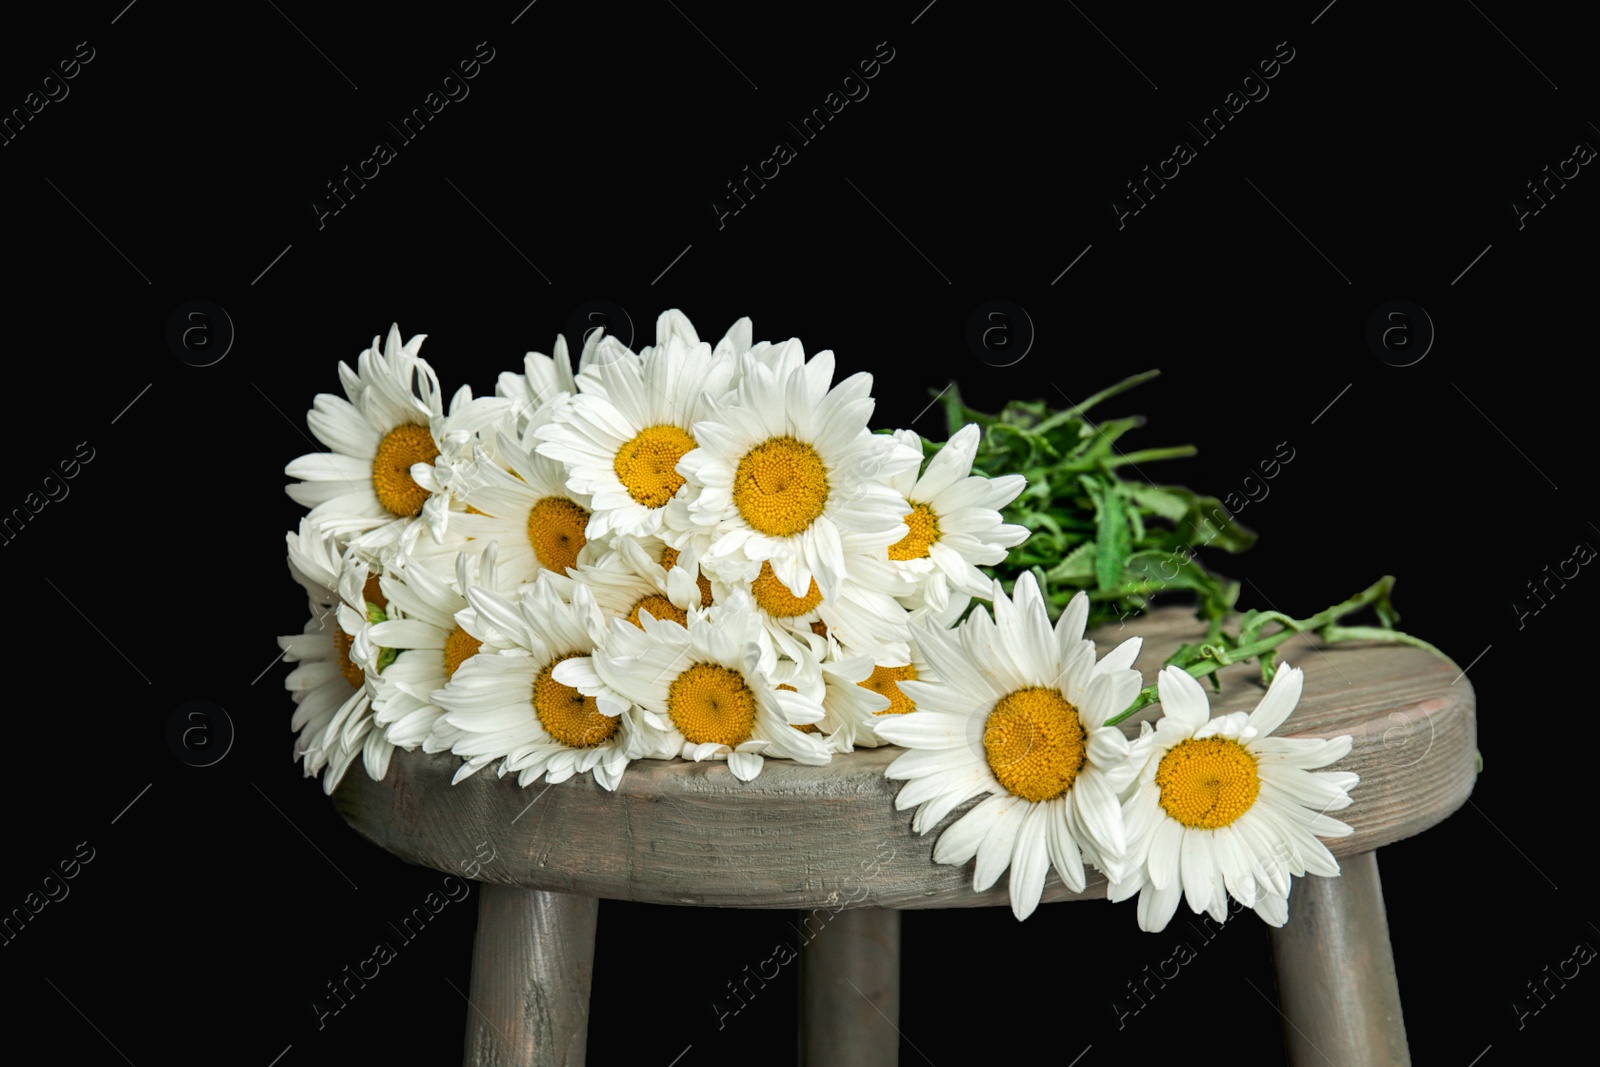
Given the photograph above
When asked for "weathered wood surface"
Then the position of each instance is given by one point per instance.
(850, 991)
(676, 832)
(1336, 983)
(532, 962)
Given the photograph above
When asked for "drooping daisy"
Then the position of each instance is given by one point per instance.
(323, 684)
(849, 704)
(544, 379)
(954, 524)
(353, 731)
(327, 683)
(377, 432)
(424, 628)
(315, 560)
(471, 423)
(785, 466)
(528, 510)
(511, 705)
(707, 689)
(881, 690)
(623, 435)
(1220, 808)
(864, 616)
(627, 581)
(1018, 715)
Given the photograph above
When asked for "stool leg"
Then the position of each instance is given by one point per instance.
(1336, 982)
(850, 989)
(532, 960)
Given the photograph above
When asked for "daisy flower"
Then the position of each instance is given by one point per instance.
(785, 466)
(631, 579)
(954, 524)
(706, 689)
(323, 684)
(327, 683)
(1220, 808)
(315, 560)
(511, 705)
(864, 615)
(430, 644)
(352, 731)
(470, 423)
(544, 379)
(621, 438)
(527, 509)
(881, 695)
(849, 705)
(1018, 715)
(377, 431)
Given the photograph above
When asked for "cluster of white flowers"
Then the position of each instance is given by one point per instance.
(692, 550)
(702, 552)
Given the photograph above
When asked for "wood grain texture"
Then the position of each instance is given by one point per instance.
(676, 832)
(1336, 983)
(532, 962)
(850, 990)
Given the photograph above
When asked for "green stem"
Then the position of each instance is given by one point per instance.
(1150, 455)
(1210, 658)
(1066, 415)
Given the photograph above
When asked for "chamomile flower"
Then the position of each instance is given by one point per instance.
(863, 615)
(324, 683)
(954, 524)
(627, 582)
(849, 704)
(471, 423)
(527, 509)
(1220, 808)
(622, 437)
(785, 467)
(327, 683)
(706, 689)
(881, 695)
(544, 379)
(1018, 715)
(353, 731)
(315, 560)
(377, 431)
(511, 706)
(430, 644)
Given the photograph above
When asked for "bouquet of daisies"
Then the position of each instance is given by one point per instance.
(703, 552)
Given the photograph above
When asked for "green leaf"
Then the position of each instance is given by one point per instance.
(1077, 565)
(1111, 532)
(1169, 502)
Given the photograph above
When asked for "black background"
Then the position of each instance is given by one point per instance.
(183, 166)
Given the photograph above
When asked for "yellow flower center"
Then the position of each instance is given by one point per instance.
(660, 607)
(1207, 784)
(352, 674)
(781, 487)
(774, 598)
(884, 680)
(803, 727)
(555, 529)
(924, 526)
(647, 465)
(459, 647)
(569, 716)
(712, 704)
(1034, 743)
(391, 468)
(669, 560)
(372, 594)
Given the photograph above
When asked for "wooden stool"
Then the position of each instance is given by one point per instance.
(829, 838)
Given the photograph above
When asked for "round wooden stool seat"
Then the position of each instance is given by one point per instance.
(675, 832)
